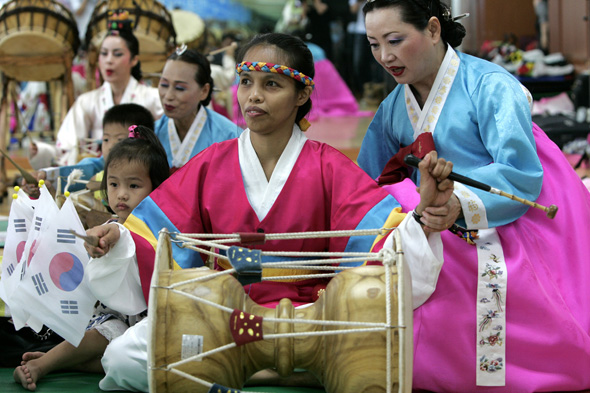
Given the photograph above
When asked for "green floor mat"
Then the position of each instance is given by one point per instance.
(88, 383)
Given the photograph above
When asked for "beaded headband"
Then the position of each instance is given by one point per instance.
(276, 68)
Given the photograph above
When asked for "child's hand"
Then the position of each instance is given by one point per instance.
(108, 235)
(32, 190)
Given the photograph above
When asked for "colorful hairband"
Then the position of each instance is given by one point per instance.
(133, 133)
(276, 68)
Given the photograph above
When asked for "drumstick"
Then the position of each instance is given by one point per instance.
(92, 240)
(412, 160)
(233, 45)
(26, 175)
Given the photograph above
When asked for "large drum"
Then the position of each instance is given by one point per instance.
(206, 332)
(190, 29)
(37, 29)
(152, 26)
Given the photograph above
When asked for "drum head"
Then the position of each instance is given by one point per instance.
(189, 28)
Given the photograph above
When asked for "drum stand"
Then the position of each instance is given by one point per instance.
(65, 99)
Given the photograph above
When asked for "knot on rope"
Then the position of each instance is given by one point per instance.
(388, 256)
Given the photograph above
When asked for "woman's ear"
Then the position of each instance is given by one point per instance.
(205, 92)
(303, 95)
(134, 61)
(434, 29)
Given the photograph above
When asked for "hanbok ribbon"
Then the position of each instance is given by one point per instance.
(396, 169)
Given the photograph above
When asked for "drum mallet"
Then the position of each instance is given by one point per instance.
(412, 160)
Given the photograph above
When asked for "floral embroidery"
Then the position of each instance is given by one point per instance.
(472, 206)
(492, 272)
(476, 218)
(492, 340)
(490, 365)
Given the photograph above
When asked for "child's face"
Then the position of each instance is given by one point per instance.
(180, 93)
(111, 134)
(269, 101)
(128, 183)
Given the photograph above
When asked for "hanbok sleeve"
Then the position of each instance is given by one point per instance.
(380, 142)
(114, 278)
(505, 128)
(423, 255)
(75, 126)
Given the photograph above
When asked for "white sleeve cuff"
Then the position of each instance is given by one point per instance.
(114, 278)
(424, 258)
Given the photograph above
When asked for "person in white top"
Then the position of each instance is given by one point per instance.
(119, 67)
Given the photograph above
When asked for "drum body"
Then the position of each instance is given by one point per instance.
(190, 29)
(152, 26)
(36, 28)
(342, 362)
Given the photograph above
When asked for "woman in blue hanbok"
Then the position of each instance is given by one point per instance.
(187, 126)
(510, 310)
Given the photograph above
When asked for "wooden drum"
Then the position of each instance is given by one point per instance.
(344, 362)
(152, 26)
(190, 29)
(38, 29)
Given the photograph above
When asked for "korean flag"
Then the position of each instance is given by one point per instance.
(55, 289)
(45, 212)
(19, 224)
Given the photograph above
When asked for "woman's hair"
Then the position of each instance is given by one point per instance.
(203, 75)
(298, 57)
(125, 31)
(128, 115)
(418, 13)
(144, 148)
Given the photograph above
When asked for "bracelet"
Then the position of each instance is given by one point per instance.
(417, 217)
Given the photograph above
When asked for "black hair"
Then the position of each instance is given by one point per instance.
(203, 74)
(132, 44)
(418, 13)
(298, 57)
(145, 149)
(128, 115)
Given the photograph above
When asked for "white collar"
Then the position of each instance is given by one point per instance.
(262, 193)
(128, 94)
(425, 119)
(181, 152)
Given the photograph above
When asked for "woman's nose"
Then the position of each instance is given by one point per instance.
(255, 95)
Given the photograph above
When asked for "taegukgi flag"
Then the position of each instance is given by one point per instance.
(54, 289)
(45, 212)
(19, 224)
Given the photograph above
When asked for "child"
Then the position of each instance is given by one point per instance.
(115, 123)
(134, 167)
(255, 183)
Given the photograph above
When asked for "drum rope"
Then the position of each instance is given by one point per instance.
(388, 261)
(235, 237)
(283, 320)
